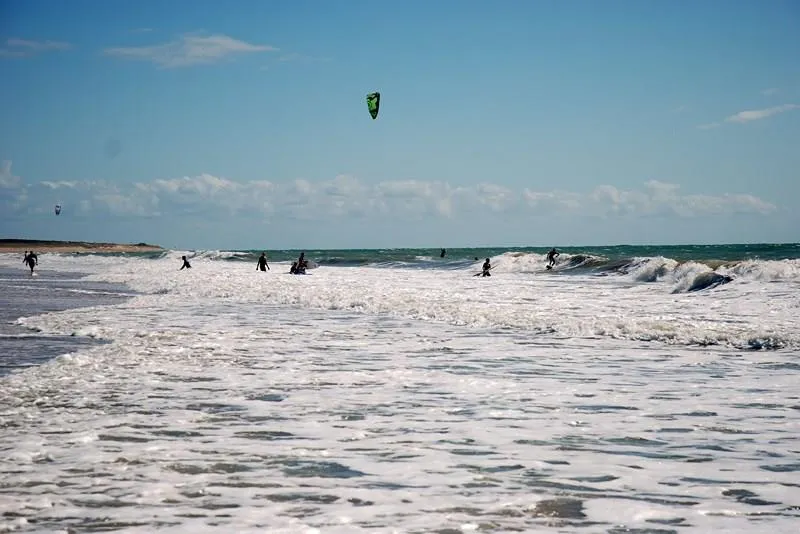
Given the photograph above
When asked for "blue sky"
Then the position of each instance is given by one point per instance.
(207, 124)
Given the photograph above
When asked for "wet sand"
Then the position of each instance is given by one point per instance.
(22, 295)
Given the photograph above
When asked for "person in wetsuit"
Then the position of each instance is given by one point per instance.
(185, 264)
(31, 260)
(487, 266)
(262, 264)
(299, 267)
(551, 258)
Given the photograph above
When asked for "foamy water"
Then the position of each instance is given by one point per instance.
(403, 400)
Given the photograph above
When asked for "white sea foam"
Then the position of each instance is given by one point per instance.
(407, 400)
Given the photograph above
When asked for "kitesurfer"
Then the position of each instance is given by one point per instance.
(487, 266)
(262, 262)
(186, 264)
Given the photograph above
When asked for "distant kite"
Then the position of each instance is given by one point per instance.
(374, 103)
(58, 209)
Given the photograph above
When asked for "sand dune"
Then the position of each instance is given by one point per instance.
(40, 246)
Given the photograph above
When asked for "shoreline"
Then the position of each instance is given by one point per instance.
(19, 246)
(21, 346)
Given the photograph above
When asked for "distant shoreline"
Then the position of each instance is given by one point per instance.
(38, 246)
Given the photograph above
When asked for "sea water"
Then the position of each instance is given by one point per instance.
(393, 391)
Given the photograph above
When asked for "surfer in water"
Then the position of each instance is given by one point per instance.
(262, 262)
(442, 253)
(299, 267)
(185, 264)
(551, 257)
(487, 266)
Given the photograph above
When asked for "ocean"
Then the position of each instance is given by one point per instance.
(646, 390)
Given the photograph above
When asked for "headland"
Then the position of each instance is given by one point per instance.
(19, 246)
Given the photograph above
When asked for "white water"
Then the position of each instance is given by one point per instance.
(391, 400)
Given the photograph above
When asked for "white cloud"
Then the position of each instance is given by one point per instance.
(758, 114)
(60, 184)
(187, 50)
(8, 180)
(13, 196)
(750, 115)
(552, 201)
(496, 197)
(125, 205)
(346, 197)
(659, 198)
(26, 48)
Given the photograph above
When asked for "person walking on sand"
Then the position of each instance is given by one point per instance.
(262, 264)
(186, 264)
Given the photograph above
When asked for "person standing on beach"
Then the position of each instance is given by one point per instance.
(185, 264)
(262, 262)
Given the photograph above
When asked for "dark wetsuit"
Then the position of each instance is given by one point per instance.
(301, 262)
(262, 263)
(185, 264)
(551, 257)
(30, 260)
(486, 268)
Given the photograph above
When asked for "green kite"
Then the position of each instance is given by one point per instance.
(374, 103)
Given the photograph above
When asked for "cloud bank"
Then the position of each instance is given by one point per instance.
(188, 50)
(346, 197)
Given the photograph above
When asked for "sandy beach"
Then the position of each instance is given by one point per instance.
(18, 246)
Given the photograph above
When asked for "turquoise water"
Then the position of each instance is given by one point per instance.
(588, 257)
